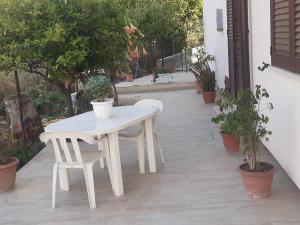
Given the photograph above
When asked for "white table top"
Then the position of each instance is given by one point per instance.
(122, 117)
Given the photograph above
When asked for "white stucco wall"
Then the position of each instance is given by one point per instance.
(283, 86)
(284, 89)
(216, 41)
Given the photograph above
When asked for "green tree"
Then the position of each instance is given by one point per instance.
(166, 24)
(61, 40)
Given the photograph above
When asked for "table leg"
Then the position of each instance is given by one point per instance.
(117, 179)
(150, 145)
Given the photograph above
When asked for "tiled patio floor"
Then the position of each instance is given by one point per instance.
(198, 184)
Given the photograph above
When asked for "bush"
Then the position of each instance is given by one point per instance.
(7, 87)
(25, 152)
(227, 118)
(46, 102)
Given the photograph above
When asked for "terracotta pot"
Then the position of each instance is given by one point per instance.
(129, 77)
(199, 87)
(258, 184)
(231, 143)
(8, 174)
(209, 97)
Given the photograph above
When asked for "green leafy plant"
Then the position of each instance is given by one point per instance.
(60, 40)
(98, 87)
(252, 123)
(204, 73)
(25, 152)
(208, 82)
(227, 117)
(161, 70)
(7, 142)
(46, 102)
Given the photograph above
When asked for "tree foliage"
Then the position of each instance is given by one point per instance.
(61, 40)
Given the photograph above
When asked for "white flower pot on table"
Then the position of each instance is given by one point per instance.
(103, 110)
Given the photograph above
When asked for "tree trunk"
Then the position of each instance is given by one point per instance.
(68, 100)
(162, 54)
(31, 119)
(115, 94)
(20, 106)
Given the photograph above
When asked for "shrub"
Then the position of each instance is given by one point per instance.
(227, 117)
(7, 141)
(47, 102)
(25, 152)
(252, 123)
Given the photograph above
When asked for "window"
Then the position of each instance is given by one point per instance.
(285, 34)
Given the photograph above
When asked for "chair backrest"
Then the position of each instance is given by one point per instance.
(153, 103)
(62, 149)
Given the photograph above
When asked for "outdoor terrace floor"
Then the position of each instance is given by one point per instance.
(199, 184)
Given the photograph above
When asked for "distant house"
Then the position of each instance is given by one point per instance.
(244, 34)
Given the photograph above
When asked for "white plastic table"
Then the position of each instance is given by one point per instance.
(122, 117)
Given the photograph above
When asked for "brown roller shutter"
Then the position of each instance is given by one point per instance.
(297, 34)
(238, 45)
(230, 33)
(282, 49)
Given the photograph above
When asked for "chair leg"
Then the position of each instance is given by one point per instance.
(141, 153)
(54, 184)
(89, 181)
(64, 179)
(159, 147)
(102, 163)
(100, 147)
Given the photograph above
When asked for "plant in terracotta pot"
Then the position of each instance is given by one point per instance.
(8, 164)
(160, 71)
(202, 70)
(99, 88)
(228, 121)
(209, 86)
(198, 82)
(257, 176)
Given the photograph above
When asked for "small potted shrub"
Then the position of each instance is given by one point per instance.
(209, 87)
(8, 164)
(99, 87)
(205, 76)
(257, 176)
(228, 121)
(162, 74)
(198, 82)
(202, 72)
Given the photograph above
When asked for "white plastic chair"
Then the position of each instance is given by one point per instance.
(137, 133)
(67, 158)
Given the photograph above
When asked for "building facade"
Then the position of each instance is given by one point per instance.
(271, 36)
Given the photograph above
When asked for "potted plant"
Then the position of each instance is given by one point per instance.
(198, 82)
(257, 176)
(228, 121)
(8, 164)
(205, 76)
(99, 87)
(208, 86)
(162, 73)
